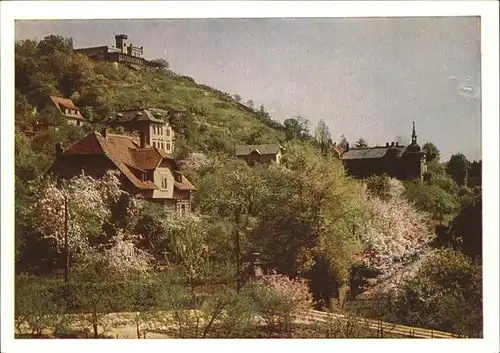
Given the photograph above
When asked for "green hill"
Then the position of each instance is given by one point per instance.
(212, 120)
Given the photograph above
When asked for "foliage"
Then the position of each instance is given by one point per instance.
(379, 186)
(280, 300)
(467, 227)
(308, 217)
(431, 152)
(296, 128)
(361, 143)
(445, 295)
(457, 167)
(322, 136)
(396, 234)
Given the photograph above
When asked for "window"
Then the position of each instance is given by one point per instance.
(168, 146)
(168, 131)
(161, 145)
(161, 130)
(143, 177)
(154, 129)
(66, 111)
(154, 144)
(164, 182)
(183, 209)
(78, 123)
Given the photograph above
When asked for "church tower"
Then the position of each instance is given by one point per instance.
(414, 159)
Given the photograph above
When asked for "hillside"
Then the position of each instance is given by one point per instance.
(213, 120)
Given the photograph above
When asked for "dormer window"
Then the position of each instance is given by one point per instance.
(144, 177)
(164, 182)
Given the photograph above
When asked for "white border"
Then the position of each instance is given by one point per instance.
(488, 10)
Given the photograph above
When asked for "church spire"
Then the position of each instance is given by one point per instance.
(413, 135)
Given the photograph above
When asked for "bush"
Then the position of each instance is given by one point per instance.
(279, 300)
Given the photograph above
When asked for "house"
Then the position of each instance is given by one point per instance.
(397, 161)
(260, 154)
(70, 111)
(120, 53)
(144, 170)
(151, 124)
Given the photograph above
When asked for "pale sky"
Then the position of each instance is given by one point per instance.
(366, 77)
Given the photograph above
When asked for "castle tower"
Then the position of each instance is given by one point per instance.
(120, 42)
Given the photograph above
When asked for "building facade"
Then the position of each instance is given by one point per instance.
(397, 161)
(151, 124)
(260, 154)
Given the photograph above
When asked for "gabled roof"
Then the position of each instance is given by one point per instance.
(126, 154)
(66, 103)
(184, 183)
(153, 115)
(245, 150)
(370, 152)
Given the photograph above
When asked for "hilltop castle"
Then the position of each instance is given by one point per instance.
(120, 53)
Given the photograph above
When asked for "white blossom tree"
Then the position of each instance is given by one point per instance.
(78, 208)
(396, 235)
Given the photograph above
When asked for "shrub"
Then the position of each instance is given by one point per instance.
(279, 300)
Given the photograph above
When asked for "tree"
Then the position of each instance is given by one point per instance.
(457, 167)
(468, 228)
(161, 64)
(54, 43)
(232, 192)
(262, 114)
(361, 143)
(250, 104)
(396, 234)
(306, 221)
(343, 141)
(431, 152)
(445, 294)
(78, 213)
(296, 128)
(237, 97)
(322, 136)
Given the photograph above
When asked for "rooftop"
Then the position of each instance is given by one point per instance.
(245, 150)
(126, 154)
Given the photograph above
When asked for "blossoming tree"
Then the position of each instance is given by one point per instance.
(396, 234)
(76, 211)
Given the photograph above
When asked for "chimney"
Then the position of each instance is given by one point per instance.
(387, 144)
(392, 144)
(59, 150)
(104, 132)
(142, 139)
(347, 146)
(397, 144)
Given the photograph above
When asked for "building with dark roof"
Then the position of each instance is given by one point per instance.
(144, 170)
(397, 161)
(260, 154)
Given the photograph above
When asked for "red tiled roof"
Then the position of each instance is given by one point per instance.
(67, 103)
(126, 154)
(184, 184)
